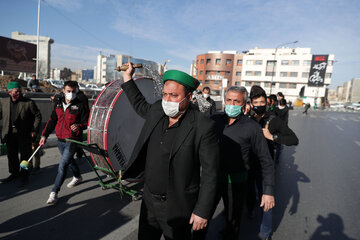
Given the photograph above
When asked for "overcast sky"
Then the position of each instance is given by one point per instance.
(181, 30)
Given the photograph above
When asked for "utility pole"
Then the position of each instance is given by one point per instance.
(37, 41)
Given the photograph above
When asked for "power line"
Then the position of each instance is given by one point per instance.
(79, 26)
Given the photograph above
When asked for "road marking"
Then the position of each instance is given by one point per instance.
(344, 119)
(357, 142)
(340, 128)
(333, 118)
(355, 120)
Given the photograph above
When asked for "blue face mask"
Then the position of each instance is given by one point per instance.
(232, 110)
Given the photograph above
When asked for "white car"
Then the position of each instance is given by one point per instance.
(353, 106)
(82, 86)
(56, 83)
(337, 105)
(93, 87)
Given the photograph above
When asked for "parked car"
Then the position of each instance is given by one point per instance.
(353, 106)
(82, 86)
(93, 87)
(56, 83)
(337, 105)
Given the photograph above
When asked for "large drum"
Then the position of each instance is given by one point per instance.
(114, 125)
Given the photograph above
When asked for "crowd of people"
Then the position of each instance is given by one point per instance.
(188, 159)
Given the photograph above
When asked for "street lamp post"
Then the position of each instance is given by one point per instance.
(273, 73)
(37, 42)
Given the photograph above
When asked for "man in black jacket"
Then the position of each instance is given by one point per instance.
(176, 144)
(239, 136)
(206, 95)
(21, 121)
(275, 131)
(282, 111)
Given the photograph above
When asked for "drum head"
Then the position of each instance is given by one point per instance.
(114, 124)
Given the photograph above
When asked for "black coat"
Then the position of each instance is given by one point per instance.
(283, 114)
(195, 148)
(276, 126)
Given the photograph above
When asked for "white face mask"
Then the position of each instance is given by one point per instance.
(70, 96)
(205, 95)
(171, 109)
(281, 108)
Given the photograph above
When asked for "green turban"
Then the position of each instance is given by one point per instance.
(12, 85)
(181, 78)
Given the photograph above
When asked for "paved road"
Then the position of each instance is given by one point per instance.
(317, 193)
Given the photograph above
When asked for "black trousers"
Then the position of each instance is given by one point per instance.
(234, 198)
(16, 144)
(153, 221)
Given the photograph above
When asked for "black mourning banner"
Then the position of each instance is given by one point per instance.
(317, 70)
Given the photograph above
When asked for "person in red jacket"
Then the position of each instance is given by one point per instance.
(69, 118)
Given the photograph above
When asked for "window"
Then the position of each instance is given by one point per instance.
(248, 84)
(257, 83)
(207, 72)
(307, 62)
(218, 61)
(197, 61)
(293, 74)
(208, 60)
(239, 61)
(227, 73)
(305, 74)
(330, 62)
(258, 62)
(270, 74)
(295, 62)
(271, 63)
(228, 61)
(248, 73)
(283, 74)
(267, 84)
(257, 73)
(285, 62)
(327, 75)
(202, 61)
(217, 73)
(201, 72)
(237, 83)
(217, 82)
(292, 85)
(283, 85)
(249, 62)
(238, 74)
(207, 81)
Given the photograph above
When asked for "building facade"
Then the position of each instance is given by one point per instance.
(105, 72)
(214, 68)
(87, 74)
(44, 50)
(284, 70)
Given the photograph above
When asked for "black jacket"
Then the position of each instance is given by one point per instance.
(276, 126)
(195, 147)
(237, 142)
(212, 109)
(283, 114)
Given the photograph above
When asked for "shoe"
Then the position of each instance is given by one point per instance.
(75, 181)
(24, 181)
(10, 178)
(52, 198)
